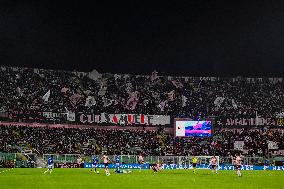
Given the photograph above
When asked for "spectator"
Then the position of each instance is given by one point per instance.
(130, 142)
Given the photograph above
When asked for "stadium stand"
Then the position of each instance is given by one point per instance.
(131, 142)
(32, 90)
(27, 93)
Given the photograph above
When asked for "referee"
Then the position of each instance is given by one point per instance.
(194, 162)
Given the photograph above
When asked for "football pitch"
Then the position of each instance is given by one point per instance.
(81, 178)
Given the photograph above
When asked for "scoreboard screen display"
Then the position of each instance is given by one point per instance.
(189, 128)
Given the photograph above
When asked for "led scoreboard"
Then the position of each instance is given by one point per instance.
(190, 128)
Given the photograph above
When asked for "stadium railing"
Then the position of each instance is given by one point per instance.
(7, 156)
(129, 159)
(63, 158)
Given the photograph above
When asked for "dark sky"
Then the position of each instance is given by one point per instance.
(174, 37)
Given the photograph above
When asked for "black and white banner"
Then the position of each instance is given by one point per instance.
(124, 119)
(247, 122)
(272, 145)
(70, 116)
(239, 145)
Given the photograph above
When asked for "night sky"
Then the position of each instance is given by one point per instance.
(192, 38)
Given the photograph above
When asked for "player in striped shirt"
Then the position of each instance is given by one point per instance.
(238, 162)
(106, 161)
(141, 161)
(213, 162)
(156, 167)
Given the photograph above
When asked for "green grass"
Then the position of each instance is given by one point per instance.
(181, 179)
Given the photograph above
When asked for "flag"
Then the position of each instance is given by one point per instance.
(128, 87)
(15, 69)
(64, 89)
(197, 89)
(46, 96)
(171, 95)
(239, 145)
(162, 105)
(132, 101)
(154, 75)
(177, 84)
(213, 143)
(90, 101)
(19, 91)
(272, 145)
(234, 104)
(116, 76)
(87, 92)
(219, 100)
(94, 75)
(36, 71)
(102, 91)
(183, 101)
(107, 102)
(18, 76)
(75, 98)
(70, 115)
(145, 102)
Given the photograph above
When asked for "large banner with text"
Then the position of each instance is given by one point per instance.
(86, 118)
(124, 119)
(250, 121)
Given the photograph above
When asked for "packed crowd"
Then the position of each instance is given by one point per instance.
(32, 90)
(132, 142)
(24, 92)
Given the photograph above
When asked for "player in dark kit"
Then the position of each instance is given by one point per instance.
(49, 165)
(266, 164)
(94, 164)
(117, 163)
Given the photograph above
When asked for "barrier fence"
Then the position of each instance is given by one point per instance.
(226, 162)
(133, 159)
